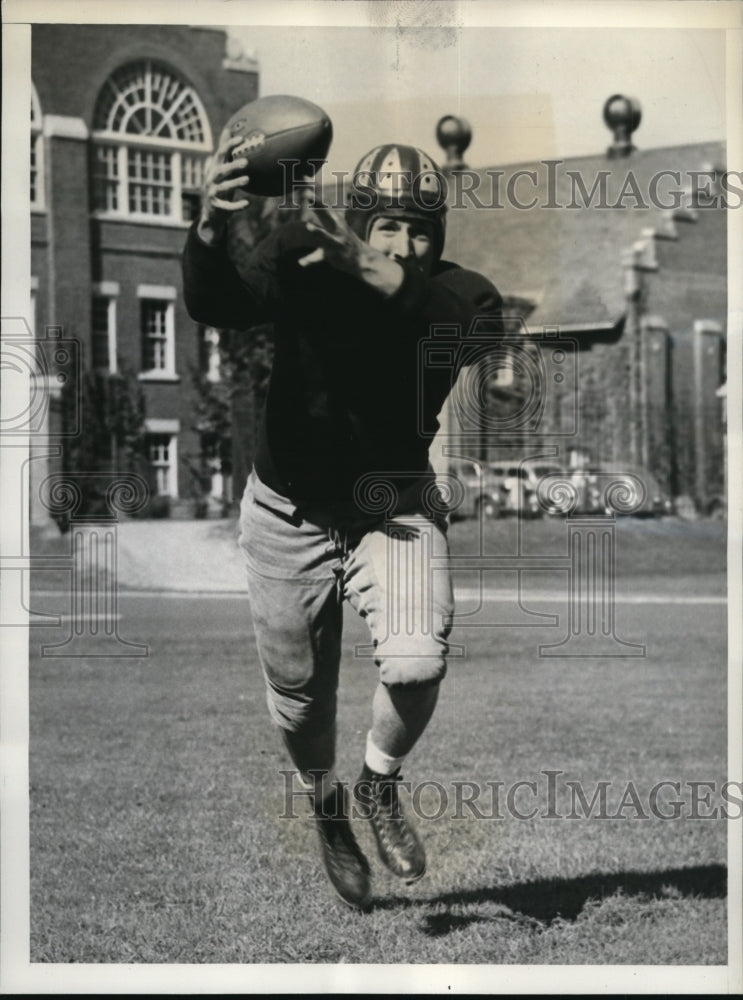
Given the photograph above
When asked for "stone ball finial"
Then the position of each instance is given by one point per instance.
(454, 135)
(622, 115)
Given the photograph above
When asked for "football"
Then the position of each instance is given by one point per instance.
(276, 128)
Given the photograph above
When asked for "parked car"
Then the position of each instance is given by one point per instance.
(618, 489)
(581, 493)
(653, 500)
(520, 484)
(483, 496)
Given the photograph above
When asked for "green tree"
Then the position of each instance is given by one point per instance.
(111, 411)
(212, 421)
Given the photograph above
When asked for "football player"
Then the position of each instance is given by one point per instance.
(342, 494)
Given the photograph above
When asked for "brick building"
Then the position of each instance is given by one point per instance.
(624, 254)
(122, 120)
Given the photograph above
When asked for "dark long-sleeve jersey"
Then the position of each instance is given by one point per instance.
(356, 383)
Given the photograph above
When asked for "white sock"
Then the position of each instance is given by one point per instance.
(379, 761)
(319, 789)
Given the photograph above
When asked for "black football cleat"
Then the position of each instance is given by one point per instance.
(400, 848)
(345, 862)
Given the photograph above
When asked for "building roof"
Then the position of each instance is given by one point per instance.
(566, 260)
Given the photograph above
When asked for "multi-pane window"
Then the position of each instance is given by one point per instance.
(103, 332)
(157, 335)
(37, 154)
(161, 450)
(147, 98)
(151, 137)
(150, 182)
(106, 178)
(192, 177)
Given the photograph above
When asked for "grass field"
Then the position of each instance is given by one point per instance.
(157, 832)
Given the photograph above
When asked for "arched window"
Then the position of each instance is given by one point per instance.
(37, 153)
(151, 137)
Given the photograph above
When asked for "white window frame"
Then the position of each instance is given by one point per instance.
(166, 294)
(37, 194)
(167, 429)
(109, 290)
(176, 148)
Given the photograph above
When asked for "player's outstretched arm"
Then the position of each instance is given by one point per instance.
(341, 248)
(217, 292)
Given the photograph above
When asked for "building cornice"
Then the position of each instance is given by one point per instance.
(65, 127)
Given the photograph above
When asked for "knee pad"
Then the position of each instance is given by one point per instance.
(411, 671)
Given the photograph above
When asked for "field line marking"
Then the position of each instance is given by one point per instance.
(462, 593)
(39, 617)
(551, 597)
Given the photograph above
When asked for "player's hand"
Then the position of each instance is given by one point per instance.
(342, 249)
(222, 177)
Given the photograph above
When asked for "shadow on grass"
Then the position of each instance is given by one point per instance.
(546, 900)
